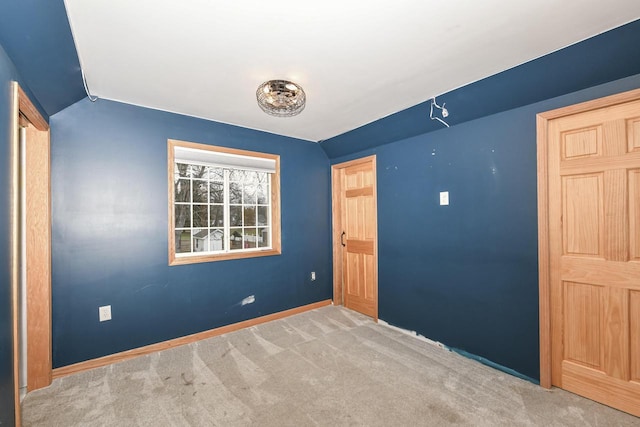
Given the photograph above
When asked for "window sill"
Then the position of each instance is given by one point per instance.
(222, 257)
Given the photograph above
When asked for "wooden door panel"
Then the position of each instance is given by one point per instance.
(353, 214)
(634, 333)
(616, 234)
(583, 214)
(593, 211)
(370, 227)
(633, 129)
(360, 247)
(615, 138)
(369, 282)
(594, 165)
(601, 272)
(359, 292)
(353, 178)
(362, 191)
(353, 275)
(582, 143)
(582, 321)
(634, 214)
(616, 333)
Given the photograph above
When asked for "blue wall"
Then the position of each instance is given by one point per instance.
(109, 200)
(37, 37)
(467, 274)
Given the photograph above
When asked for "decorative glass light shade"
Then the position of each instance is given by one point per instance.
(281, 98)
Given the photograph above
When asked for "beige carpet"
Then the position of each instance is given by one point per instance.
(327, 367)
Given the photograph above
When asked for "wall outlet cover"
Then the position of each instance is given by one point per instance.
(444, 198)
(104, 313)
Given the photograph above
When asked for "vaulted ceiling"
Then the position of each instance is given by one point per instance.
(357, 61)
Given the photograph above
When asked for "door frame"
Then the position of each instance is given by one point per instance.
(336, 217)
(544, 266)
(38, 291)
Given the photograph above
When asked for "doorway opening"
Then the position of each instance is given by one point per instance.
(30, 248)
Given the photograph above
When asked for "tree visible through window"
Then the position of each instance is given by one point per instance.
(220, 208)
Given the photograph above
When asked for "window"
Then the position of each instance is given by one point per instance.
(223, 203)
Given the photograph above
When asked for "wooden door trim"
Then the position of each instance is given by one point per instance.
(38, 300)
(336, 187)
(30, 111)
(543, 218)
(336, 222)
(15, 242)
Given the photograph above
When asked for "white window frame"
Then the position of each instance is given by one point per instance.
(227, 158)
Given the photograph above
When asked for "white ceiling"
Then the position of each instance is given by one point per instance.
(358, 61)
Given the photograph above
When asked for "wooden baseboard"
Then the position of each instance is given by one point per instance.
(141, 351)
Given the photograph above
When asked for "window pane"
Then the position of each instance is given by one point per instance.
(235, 238)
(235, 216)
(183, 216)
(200, 190)
(236, 175)
(216, 192)
(216, 174)
(216, 240)
(250, 216)
(250, 238)
(263, 237)
(251, 177)
(200, 215)
(200, 238)
(183, 241)
(181, 170)
(249, 196)
(263, 213)
(182, 190)
(216, 218)
(262, 194)
(198, 171)
(235, 193)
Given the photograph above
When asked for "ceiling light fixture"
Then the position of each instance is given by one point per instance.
(281, 98)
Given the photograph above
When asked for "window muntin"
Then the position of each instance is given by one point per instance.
(222, 212)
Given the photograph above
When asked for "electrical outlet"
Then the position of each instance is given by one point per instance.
(104, 312)
(444, 198)
(313, 276)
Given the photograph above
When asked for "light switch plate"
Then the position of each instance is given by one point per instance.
(444, 198)
(104, 313)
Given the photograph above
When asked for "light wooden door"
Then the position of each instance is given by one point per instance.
(355, 235)
(594, 253)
